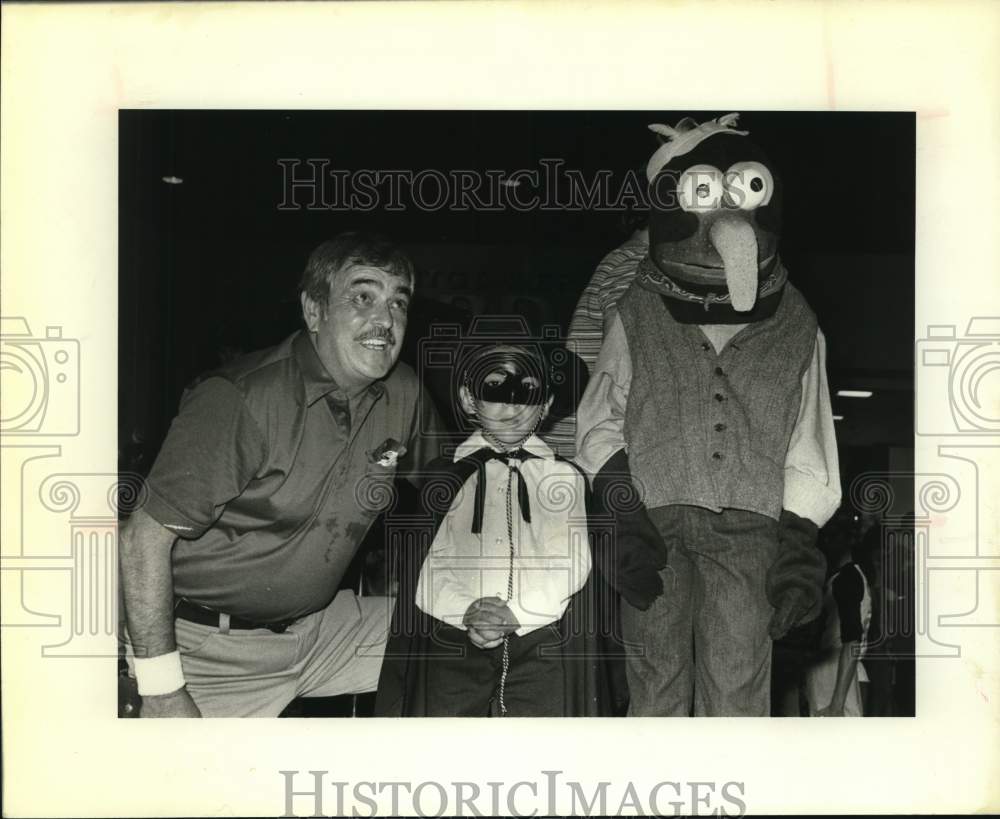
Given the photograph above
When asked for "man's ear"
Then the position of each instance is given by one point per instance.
(312, 312)
(465, 399)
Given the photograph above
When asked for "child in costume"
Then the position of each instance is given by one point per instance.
(709, 398)
(503, 618)
(833, 680)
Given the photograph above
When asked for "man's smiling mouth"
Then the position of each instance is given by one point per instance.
(376, 343)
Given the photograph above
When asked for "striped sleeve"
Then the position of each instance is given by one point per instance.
(591, 320)
(611, 279)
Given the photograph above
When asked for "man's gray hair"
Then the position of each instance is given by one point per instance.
(353, 247)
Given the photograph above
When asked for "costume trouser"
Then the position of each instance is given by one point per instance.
(465, 685)
(256, 673)
(703, 647)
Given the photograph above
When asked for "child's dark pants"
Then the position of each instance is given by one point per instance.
(466, 685)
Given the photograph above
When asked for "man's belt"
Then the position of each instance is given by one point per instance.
(186, 610)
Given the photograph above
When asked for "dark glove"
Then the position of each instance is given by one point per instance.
(795, 579)
(632, 553)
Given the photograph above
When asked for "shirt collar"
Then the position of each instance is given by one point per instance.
(535, 445)
(315, 378)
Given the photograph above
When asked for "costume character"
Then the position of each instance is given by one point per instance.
(499, 612)
(709, 398)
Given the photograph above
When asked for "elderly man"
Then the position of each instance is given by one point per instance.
(263, 490)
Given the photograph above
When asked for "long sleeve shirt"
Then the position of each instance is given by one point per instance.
(811, 471)
(551, 552)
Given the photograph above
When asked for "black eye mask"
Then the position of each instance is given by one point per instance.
(489, 378)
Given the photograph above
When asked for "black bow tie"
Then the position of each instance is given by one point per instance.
(480, 458)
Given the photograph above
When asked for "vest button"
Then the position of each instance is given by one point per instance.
(719, 371)
(706, 346)
(717, 456)
(720, 397)
(720, 427)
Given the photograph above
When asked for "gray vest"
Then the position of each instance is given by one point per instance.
(712, 430)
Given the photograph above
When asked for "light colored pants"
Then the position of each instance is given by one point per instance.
(257, 673)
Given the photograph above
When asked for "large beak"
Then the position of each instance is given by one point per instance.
(736, 243)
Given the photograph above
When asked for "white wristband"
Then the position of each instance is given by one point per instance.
(159, 675)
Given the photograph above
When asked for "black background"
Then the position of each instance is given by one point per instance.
(210, 267)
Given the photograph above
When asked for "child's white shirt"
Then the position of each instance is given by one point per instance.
(551, 553)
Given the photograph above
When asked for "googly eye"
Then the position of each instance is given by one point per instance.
(700, 188)
(749, 185)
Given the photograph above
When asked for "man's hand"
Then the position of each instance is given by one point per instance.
(175, 704)
(488, 619)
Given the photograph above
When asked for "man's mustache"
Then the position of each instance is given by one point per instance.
(378, 332)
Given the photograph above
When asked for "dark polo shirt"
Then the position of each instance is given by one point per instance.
(269, 495)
